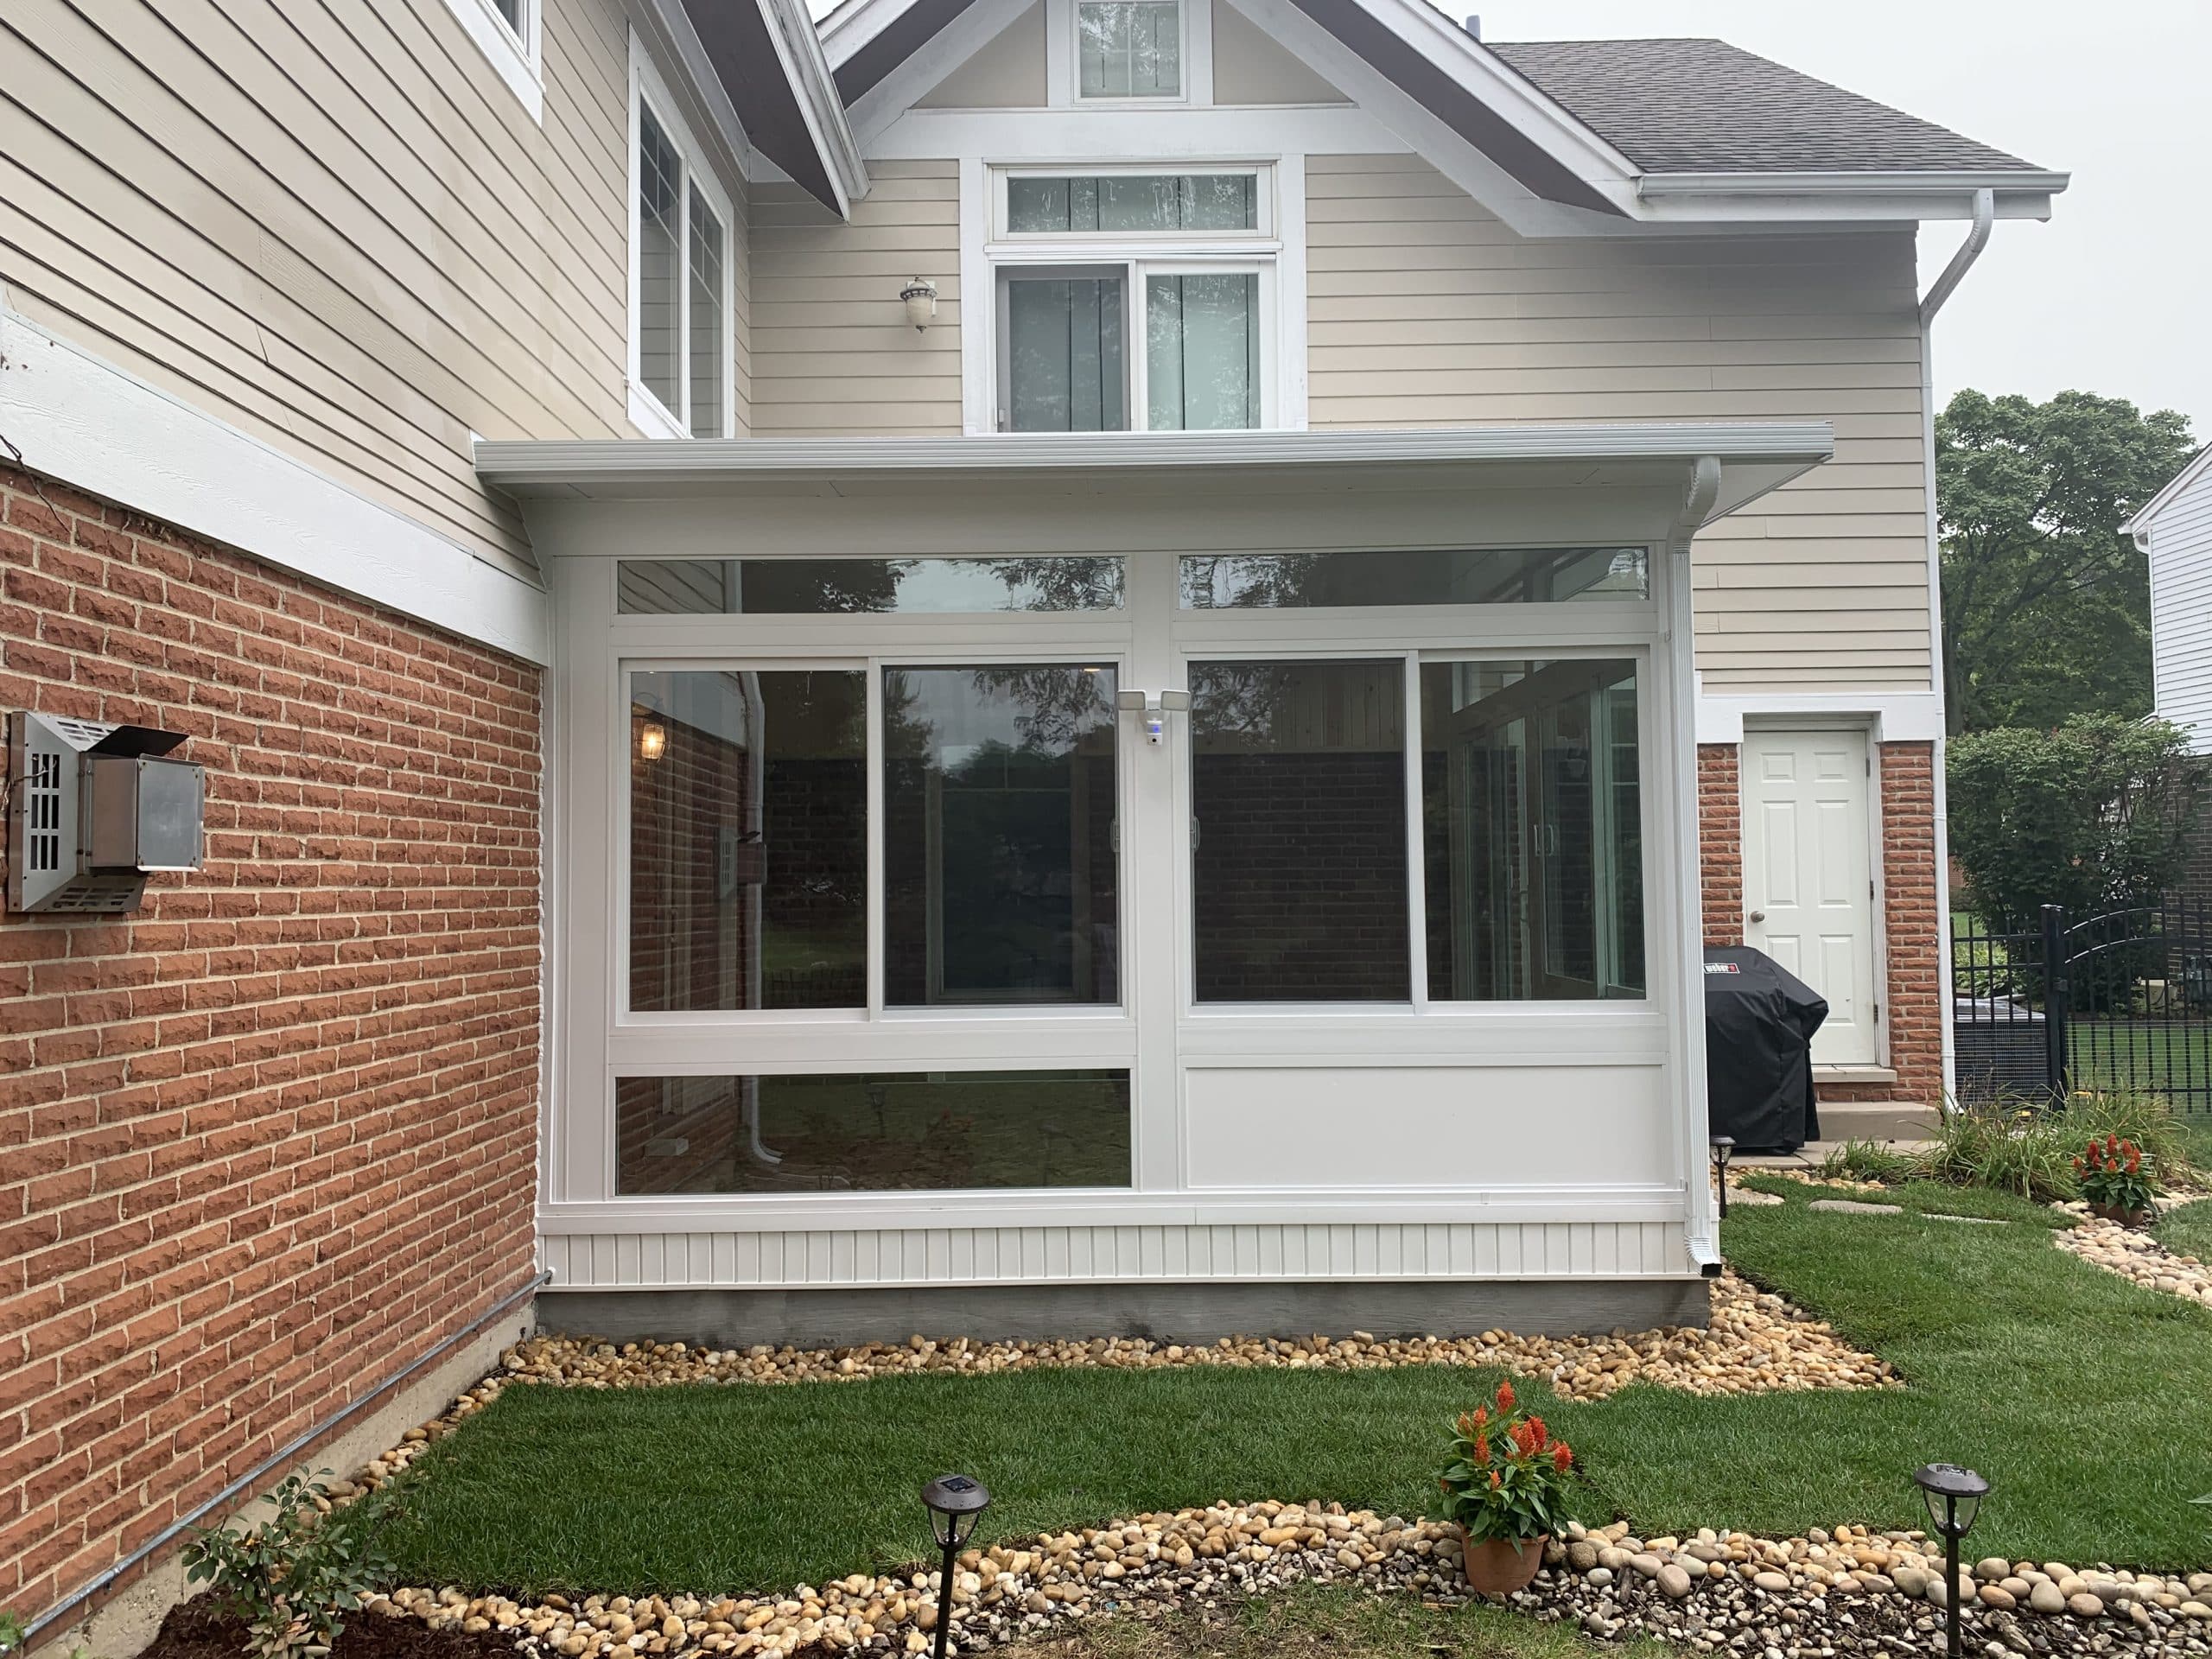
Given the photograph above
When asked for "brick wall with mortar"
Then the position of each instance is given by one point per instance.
(1912, 1006)
(267, 1139)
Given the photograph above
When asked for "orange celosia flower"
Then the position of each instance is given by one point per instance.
(1494, 1481)
(1562, 1457)
(1505, 1396)
(1482, 1448)
(1482, 1416)
(1539, 1433)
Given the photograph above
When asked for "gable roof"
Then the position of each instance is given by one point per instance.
(1706, 106)
(2197, 467)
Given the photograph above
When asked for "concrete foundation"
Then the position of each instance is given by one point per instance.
(1169, 1313)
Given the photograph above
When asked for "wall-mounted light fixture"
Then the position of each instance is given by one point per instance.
(1155, 707)
(919, 297)
(652, 740)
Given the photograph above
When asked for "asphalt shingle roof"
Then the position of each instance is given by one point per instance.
(1706, 106)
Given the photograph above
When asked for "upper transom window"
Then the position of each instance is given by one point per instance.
(1129, 48)
(1130, 204)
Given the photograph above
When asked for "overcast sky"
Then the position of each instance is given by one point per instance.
(2113, 295)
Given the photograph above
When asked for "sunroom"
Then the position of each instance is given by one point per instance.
(1176, 883)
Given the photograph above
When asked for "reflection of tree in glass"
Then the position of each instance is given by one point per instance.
(1055, 705)
(1061, 583)
(1239, 700)
(1250, 581)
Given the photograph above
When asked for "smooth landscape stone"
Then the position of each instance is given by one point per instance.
(1852, 1207)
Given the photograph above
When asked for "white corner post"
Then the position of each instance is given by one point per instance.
(1701, 1217)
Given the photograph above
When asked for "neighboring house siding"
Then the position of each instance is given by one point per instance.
(335, 228)
(2180, 610)
(833, 352)
(1425, 310)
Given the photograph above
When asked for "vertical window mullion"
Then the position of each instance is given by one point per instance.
(874, 798)
(683, 296)
(1137, 349)
(1416, 840)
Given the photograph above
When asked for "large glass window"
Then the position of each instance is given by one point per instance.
(1064, 366)
(1299, 877)
(1532, 831)
(1202, 352)
(680, 287)
(1131, 202)
(661, 264)
(1129, 48)
(749, 847)
(1000, 868)
(854, 587)
(872, 1132)
(1424, 576)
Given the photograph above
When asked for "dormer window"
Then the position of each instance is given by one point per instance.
(1129, 48)
(1129, 300)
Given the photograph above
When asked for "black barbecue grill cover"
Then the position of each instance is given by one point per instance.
(1759, 1021)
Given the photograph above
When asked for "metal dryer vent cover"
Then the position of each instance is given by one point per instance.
(93, 811)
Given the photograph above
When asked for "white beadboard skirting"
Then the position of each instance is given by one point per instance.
(858, 1259)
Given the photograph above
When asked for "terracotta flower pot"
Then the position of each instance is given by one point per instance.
(2124, 1218)
(1498, 1567)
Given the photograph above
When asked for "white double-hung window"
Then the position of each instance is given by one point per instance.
(680, 300)
(1130, 300)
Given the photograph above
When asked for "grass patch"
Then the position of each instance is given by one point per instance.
(2188, 1230)
(1920, 1197)
(1309, 1621)
(2081, 1397)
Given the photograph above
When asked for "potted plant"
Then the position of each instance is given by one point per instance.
(1508, 1483)
(2115, 1182)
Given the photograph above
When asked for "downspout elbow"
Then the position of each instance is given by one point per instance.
(1985, 215)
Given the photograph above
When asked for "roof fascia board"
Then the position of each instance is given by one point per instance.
(853, 24)
(978, 24)
(696, 73)
(1724, 209)
(1927, 181)
(798, 48)
(556, 467)
(2139, 525)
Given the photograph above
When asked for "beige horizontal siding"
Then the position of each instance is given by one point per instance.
(833, 353)
(331, 225)
(1426, 310)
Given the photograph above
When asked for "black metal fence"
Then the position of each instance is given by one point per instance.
(2119, 1000)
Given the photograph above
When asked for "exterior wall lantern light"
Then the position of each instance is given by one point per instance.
(652, 740)
(1953, 1496)
(1724, 1147)
(955, 1503)
(919, 297)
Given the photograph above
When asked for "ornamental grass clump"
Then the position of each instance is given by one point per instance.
(1507, 1478)
(2114, 1178)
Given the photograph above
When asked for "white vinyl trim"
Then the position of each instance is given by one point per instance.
(82, 420)
(1895, 716)
(517, 53)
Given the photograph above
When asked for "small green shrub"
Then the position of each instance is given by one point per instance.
(294, 1577)
(11, 1631)
(2031, 1151)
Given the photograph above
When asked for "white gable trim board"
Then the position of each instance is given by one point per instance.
(78, 418)
(2174, 531)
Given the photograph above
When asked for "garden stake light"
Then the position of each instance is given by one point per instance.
(955, 1503)
(1953, 1497)
(1723, 1146)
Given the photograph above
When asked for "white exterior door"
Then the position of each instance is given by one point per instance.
(1808, 889)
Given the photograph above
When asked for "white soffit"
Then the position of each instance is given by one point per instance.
(1755, 457)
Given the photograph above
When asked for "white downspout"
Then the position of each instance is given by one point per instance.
(1985, 215)
(1702, 1220)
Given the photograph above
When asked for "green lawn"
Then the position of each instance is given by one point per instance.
(2188, 1230)
(2082, 1397)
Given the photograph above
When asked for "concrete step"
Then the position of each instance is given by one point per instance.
(1877, 1120)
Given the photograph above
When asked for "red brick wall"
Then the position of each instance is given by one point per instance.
(266, 1139)
(1912, 1008)
(1721, 841)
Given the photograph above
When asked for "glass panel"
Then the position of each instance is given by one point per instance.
(847, 587)
(748, 840)
(511, 11)
(1532, 831)
(1065, 369)
(707, 344)
(1129, 48)
(660, 264)
(1506, 575)
(1298, 824)
(1202, 362)
(872, 1132)
(1131, 202)
(1001, 871)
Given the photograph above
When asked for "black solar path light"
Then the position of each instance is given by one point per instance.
(955, 1503)
(1953, 1497)
(1724, 1147)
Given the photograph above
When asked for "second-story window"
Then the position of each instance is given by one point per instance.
(1129, 300)
(679, 283)
(1129, 48)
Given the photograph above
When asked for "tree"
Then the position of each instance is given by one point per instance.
(2046, 605)
(2093, 815)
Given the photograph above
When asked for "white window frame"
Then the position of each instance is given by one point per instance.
(516, 52)
(1063, 67)
(1137, 255)
(653, 417)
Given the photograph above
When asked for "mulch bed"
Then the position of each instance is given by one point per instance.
(197, 1629)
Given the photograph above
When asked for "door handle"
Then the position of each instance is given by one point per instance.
(1756, 917)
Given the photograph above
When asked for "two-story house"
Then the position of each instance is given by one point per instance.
(1018, 665)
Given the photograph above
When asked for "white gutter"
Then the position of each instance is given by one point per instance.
(1977, 238)
(1935, 181)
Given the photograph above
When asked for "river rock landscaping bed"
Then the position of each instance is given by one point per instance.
(2134, 1255)
(1850, 1592)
